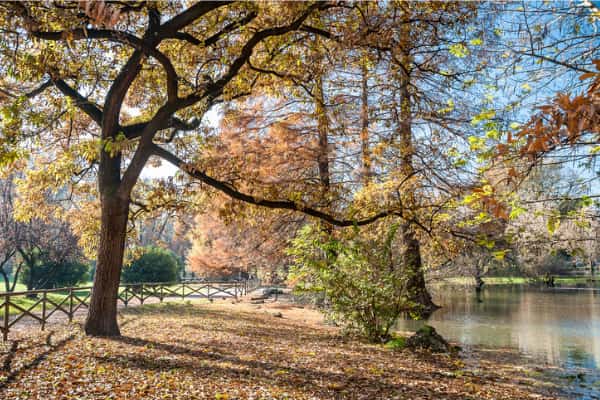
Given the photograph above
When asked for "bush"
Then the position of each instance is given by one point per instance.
(155, 265)
(364, 290)
(56, 274)
(396, 343)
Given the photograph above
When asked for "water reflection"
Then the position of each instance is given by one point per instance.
(560, 327)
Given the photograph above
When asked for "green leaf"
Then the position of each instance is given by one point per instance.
(515, 125)
(476, 143)
(483, 116)
(552, 224)
(515, 212)
(500, 254)
(459, 50)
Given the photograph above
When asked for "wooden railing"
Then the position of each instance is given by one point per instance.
(48, 302)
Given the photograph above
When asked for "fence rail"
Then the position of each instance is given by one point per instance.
(45, 303)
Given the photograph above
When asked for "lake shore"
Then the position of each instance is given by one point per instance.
(228, 350)
(559, 281)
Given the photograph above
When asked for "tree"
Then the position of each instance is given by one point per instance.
(45, 249)
(71, 50)
(9, 233)
(39, 249)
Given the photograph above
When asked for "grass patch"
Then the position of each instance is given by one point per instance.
(396, 343)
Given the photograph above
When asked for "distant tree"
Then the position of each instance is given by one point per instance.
(35, 248)
(254, 244)
(154, 265)
(9, 233)
(43, 244)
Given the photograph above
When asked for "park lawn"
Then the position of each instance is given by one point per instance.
(27, 302)
(239, 351)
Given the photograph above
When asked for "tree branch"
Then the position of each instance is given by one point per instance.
(91, 109)
(276, 204)
(230, 27)
(216, 88)
(170, 28)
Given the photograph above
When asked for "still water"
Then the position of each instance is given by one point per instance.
(559, 327)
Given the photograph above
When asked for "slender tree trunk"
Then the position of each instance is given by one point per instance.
(15, 277)
(323, 155)
(411, 256)
(6, 281)
(3, 263)
(30, 261)
(102, 314)
(479, 280)
(364, 122)
(323, 128)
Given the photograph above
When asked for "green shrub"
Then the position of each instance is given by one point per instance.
(154, 265)
(356, 272)
(396, 343)
(56, 274)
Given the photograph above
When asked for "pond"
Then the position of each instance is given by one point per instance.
(554, 327)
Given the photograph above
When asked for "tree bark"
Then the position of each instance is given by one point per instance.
(413, 265)
(323, 128)
(411, 256)
(364, 123)
(6, 281)
(102, 314)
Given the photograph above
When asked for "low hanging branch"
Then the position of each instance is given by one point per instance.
(277, 204)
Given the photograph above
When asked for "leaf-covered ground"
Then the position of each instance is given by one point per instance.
(235, 351)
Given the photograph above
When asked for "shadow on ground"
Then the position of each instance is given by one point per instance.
(187, 351)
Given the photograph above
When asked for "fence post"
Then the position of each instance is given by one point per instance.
(6, 309)
(182, 291)
(161, 293)
(142, 293)
(70, 304)
(43, 309)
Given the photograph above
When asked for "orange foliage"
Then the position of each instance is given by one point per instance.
(566, 120)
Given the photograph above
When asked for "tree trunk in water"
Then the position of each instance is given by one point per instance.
(102, 314)
(411, 257)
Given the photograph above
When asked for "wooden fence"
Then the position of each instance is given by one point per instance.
(43, 304)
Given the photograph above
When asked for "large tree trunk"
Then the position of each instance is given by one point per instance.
(411, 257)
(102, 314)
